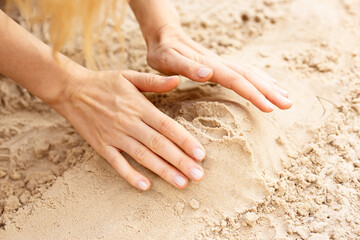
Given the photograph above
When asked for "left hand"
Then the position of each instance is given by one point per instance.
(173, 52)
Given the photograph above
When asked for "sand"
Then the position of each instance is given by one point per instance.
(286, 175)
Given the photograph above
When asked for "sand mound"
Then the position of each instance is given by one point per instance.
(231, 132)
(285, 175)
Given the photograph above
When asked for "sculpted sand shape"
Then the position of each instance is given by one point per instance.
(223, 125)
(214, 124)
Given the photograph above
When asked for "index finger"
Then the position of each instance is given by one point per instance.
(230, 79)
(234, 81)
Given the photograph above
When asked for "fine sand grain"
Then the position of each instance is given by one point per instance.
(286, 175)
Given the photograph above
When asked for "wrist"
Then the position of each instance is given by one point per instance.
(153, 15)
(168, 31)
(69, 83)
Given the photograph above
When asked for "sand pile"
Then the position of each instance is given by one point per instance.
(284, 175)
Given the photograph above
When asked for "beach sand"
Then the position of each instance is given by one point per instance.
(286, 175)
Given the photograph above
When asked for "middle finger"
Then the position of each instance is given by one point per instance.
(166, 149)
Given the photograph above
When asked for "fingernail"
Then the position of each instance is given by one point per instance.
(286, 100)
(203, 72)
(283, 91)
(168, 78)
(196, 174)
(199, 154)
(269, 105)
(142, 185)
(273, 80)
(180, 181)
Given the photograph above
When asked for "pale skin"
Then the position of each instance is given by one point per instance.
(108, 109)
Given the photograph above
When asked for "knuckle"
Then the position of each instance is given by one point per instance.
(231, 83)
(118, 101)
(187, 66)
(159, 57)
(127, 119)
(119, 118)
(164, 56)
(140, 155)
(185, 142)
(112, 159)
(165, 125)
(251, 97)
(267, 89)
(127, 176)
(200, 59)
(164, 172)
(229, 80)
(181, 162)
(247, 74)
(156, 142)
(149, 81)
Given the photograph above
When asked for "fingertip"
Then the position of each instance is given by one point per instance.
(267, 110)
(204, 74)
(197, 174)
(272, 79)
(282, 103)
(199, 154)
(285, 103)
(169, 83)
(281, 91)
(287, 106)
(284, 93)
(143, 184)
(183, 187)
(172, 79)
(180, 181)
(268, 106)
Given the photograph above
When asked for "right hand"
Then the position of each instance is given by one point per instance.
(171, 51)
(112, 115)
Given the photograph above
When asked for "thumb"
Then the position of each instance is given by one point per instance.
(147, 82)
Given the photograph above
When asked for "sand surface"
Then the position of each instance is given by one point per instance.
(286, 175)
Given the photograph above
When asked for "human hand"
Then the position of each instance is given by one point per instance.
(171, 51)
(110, 113)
